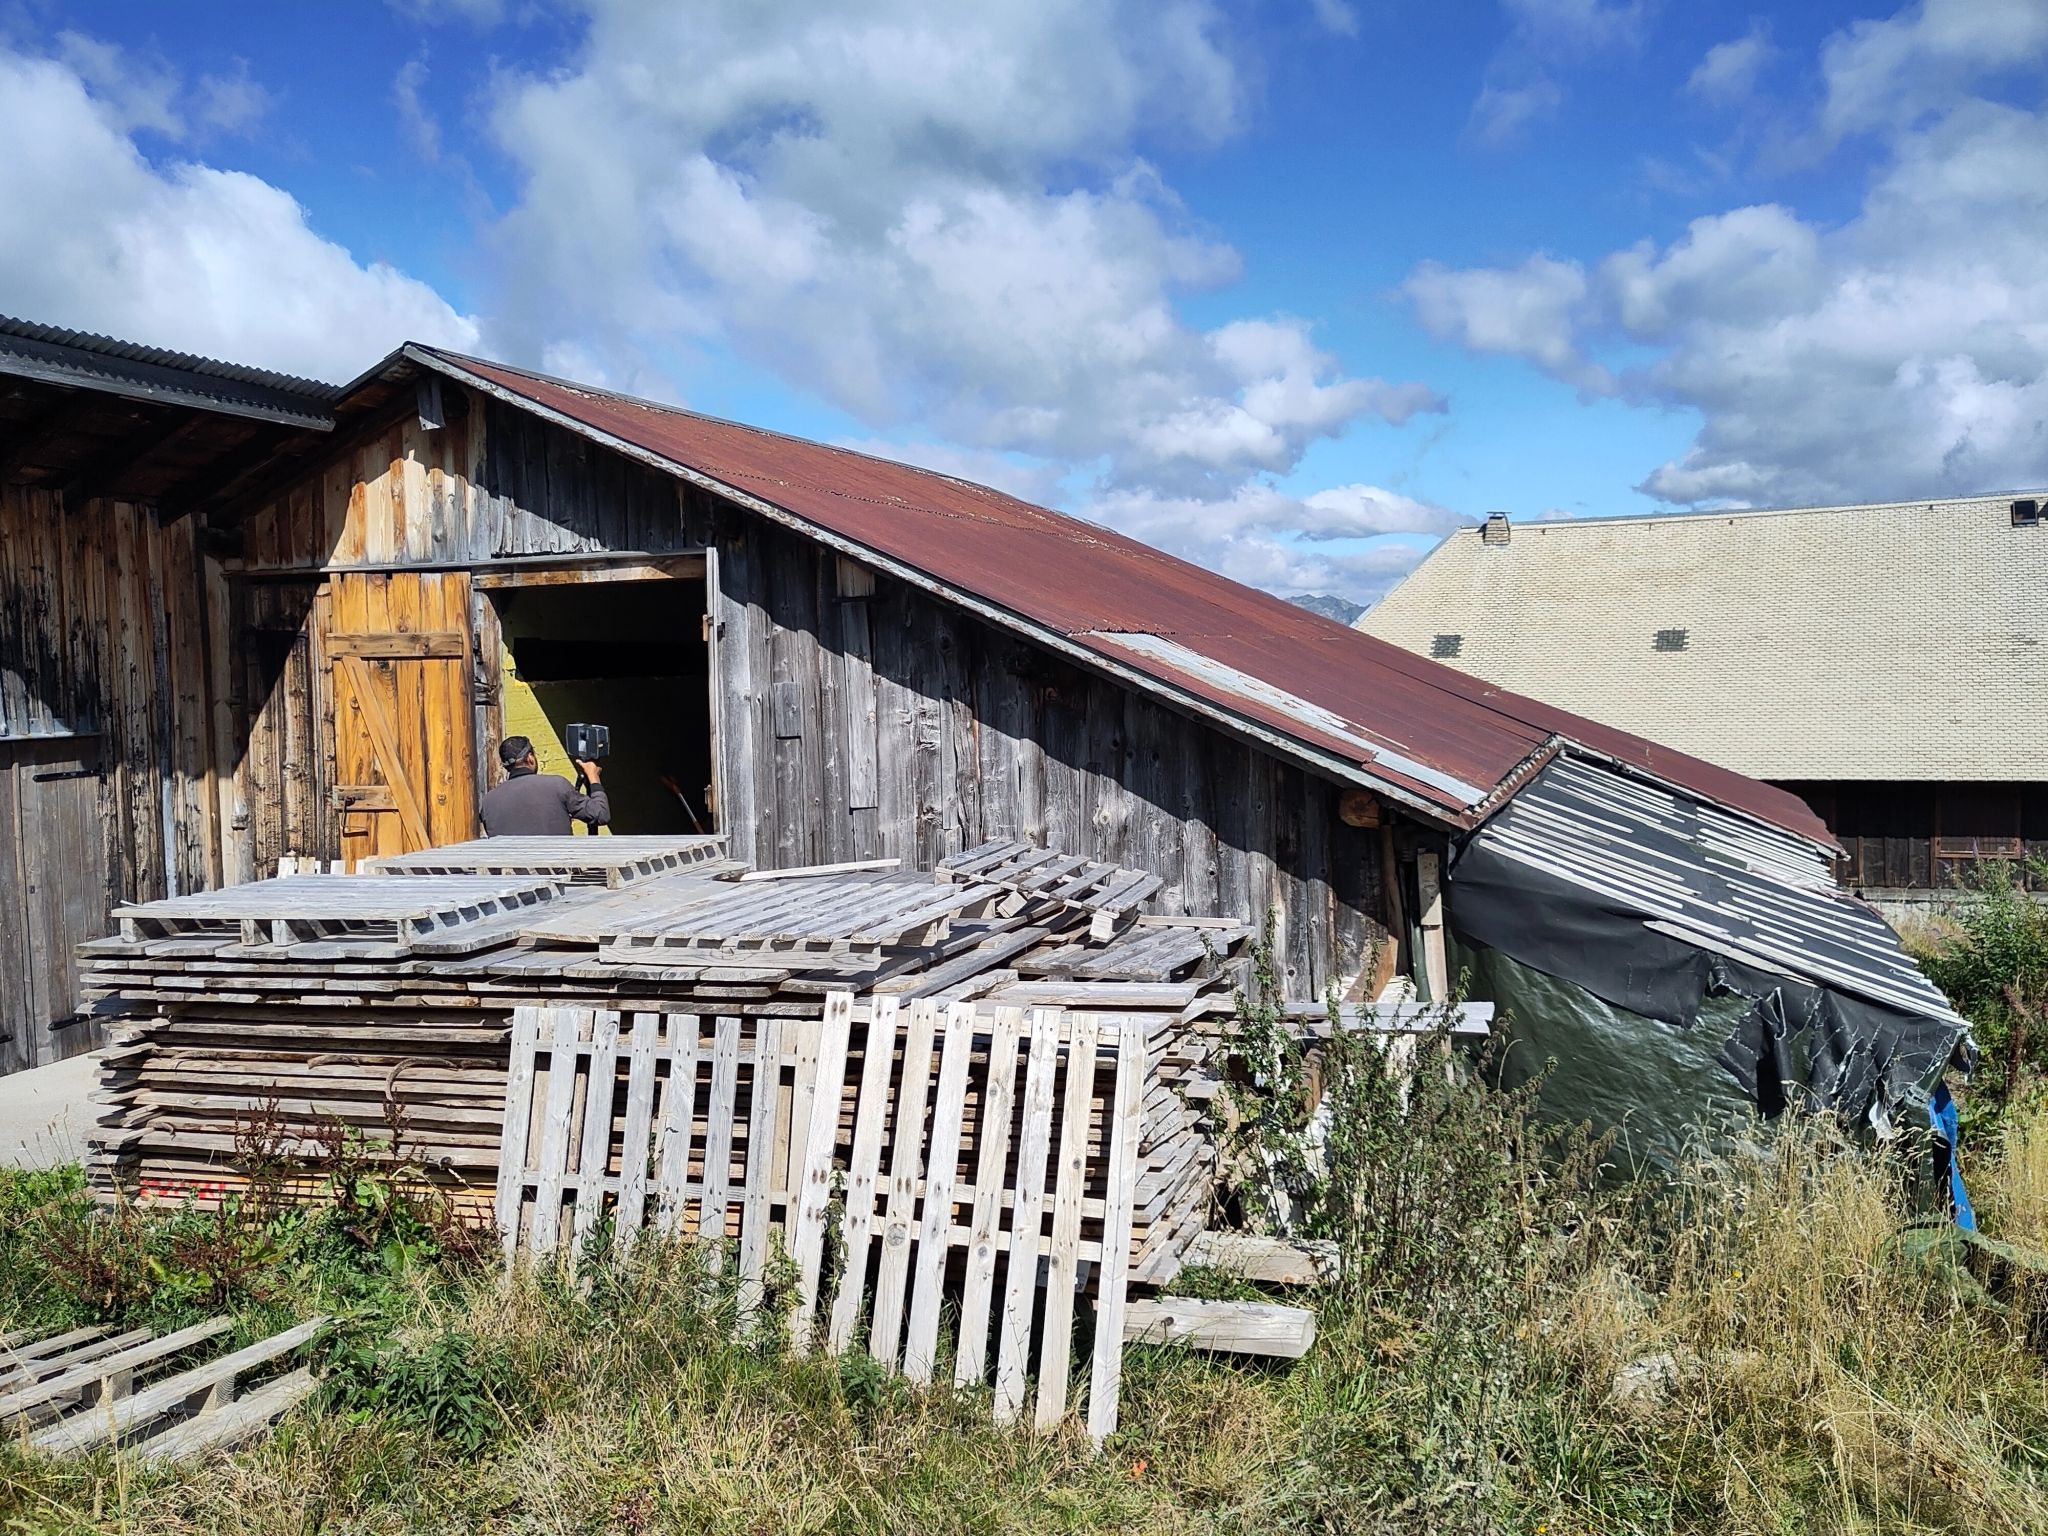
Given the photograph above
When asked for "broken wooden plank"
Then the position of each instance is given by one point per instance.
(1226, 1327)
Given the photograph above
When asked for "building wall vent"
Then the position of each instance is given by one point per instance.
(1671, 640)
(1444, 647)
(2027, 513)
(1495, 530)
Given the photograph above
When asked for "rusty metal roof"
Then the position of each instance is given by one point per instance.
(1429, 735)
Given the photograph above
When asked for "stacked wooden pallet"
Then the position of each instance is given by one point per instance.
(607, 861)
(379, 998)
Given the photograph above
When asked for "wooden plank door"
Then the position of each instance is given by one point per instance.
(53, 882)
(397, 656)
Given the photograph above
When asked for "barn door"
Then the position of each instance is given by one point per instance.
(53, 894)
(396, 648)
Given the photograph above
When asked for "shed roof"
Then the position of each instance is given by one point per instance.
(1422, 732)
(1891, 641)
(53, 355)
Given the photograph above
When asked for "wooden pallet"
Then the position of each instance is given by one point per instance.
(1110, 894)
(91, 1387)
(606, 861)
(917, 1161)
(335, 908)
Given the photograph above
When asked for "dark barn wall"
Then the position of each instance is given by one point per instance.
(896, 725)
(106, 793)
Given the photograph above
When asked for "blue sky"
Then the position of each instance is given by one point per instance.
(1287, 286)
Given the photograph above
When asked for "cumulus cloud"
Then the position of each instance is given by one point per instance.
(1902, 352)
(1729, 72)
(99, 237)
(940, 219)
(1336, 16)
(1265, 537)
(1895, 71)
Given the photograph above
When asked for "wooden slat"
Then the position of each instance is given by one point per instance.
(234, 1423)
(639, 1130)
(1070, 1171)
(1228, 1327)
(678, 1117)
(1105, 1380)
(762, 1140)
(565, 1025)
(956, 1052)
(22, 1400)
(593, 1156)
(725, 1066)
(993, 1131)
(808, 1245)
(906, 1172)
(863, 1173)
(1020, 1290)
(526, 1027)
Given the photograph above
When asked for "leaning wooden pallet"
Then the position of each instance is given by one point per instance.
(993, 1159)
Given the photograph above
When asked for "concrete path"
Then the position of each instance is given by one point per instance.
(45, 1113)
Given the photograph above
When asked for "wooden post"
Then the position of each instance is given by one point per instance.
(1429, 888)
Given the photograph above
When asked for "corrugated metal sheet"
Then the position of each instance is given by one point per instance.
(1098, 589)
(1717, 881)
(80, 358)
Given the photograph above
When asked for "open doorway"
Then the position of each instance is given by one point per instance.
(629, 655)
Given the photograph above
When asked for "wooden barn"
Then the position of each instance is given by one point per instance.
(244, 617)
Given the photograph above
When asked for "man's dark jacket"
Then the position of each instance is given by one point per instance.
(531, 804)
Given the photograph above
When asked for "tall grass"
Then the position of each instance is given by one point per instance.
(1769, 1345)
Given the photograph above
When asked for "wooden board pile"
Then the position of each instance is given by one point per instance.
(373, 999)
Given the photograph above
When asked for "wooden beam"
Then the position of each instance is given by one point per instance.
(29, 434)
(1227, 1327)
(655, 568)
(104, 476)
(1430, 897)
(193, 493)
(427, 402)
(400, 645)
(1265, 1260)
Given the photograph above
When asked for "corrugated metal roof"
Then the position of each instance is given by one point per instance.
(1896, 641)
(87, 361)
(1422, 730)
(1720, 882)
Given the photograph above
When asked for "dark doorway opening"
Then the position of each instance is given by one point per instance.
(630, 655)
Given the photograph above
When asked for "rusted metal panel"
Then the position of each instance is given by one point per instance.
(1082, 582)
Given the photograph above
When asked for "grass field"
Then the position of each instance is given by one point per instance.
(1776, 1342)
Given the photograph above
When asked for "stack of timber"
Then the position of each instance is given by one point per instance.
(387, 999)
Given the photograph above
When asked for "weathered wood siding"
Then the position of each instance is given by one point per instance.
(856, 717)
(896, 725)
(105, 715)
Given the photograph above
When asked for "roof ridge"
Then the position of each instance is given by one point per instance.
(1712, 514)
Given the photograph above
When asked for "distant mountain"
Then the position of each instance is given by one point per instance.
(1330, 606)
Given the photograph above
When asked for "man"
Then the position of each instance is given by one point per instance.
(534, 804)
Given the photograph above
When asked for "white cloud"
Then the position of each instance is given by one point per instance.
(939, 219)
(231, 103)
(1336, 16)
(1729, 72)
(1546, 38)
(1534, 311)
(1265, 537)
(1567, 27)
(422, 128)
(1902, 352)
(1894, 72)
(181, 255)
(1501, 112)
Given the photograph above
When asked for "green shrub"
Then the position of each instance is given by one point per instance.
(1989, 953)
